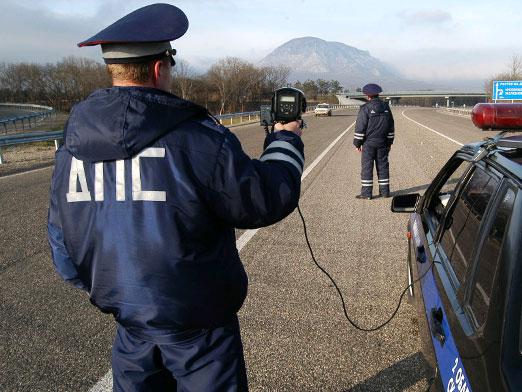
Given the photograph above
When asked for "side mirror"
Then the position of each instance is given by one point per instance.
(405, 203)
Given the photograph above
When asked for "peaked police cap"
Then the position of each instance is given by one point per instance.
(142, 35)
(372, 89)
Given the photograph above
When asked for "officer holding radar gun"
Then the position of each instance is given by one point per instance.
(146, 192)
(373, 137)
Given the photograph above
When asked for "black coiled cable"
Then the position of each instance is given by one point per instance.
(353, 323)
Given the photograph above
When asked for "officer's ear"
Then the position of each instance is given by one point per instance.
(160, 73)
(157, 70)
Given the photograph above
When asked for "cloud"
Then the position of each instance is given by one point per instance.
(423, 17)
(35, 31)
(434, 64)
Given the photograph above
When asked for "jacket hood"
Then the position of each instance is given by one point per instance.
(119, 122)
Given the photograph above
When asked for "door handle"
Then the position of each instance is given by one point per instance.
(436, 325)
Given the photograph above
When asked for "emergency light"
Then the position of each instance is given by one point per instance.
(497, 116)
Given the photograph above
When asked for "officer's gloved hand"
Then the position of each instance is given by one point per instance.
(294, 126)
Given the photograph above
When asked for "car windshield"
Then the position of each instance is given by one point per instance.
(323, 106)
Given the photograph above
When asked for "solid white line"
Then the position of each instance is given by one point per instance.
(105, 383)
(25, 172)
(432, 130)
(247, 235)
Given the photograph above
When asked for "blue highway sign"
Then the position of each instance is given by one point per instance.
(507, 90)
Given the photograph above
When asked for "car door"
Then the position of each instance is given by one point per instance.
(485, 295)
(440, 196)
(454, 248)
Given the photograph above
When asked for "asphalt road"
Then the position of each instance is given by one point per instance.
(294, 332)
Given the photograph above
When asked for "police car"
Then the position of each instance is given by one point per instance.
(465, 260)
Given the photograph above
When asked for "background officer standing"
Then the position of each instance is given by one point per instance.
(146, 192)
(375, 130)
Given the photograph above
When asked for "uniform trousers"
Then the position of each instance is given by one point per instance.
(205, 360)
(379, 155)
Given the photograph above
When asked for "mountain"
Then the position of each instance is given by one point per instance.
(314, 58)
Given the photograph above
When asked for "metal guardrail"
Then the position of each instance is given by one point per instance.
(29, 137)
(26, 106)
(346, 106)
(457, 111)
(45, 112)
(241, 115)
(5, 123)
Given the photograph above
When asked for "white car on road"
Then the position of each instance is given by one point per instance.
(323, 109)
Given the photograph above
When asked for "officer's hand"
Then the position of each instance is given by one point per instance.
(358, 149)
(294, 126)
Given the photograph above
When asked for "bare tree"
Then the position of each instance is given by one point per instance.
(220, 76)
(275, 77)
(247, 85)
(515, 67)
(233, 78)
(183, 79)
(514, 72)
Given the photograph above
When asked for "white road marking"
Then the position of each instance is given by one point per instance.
(432, 130)
(25, 172)
(105, 383)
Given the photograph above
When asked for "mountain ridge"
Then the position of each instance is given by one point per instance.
(314, 58)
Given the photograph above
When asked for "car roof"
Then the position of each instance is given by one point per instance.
(509, 159)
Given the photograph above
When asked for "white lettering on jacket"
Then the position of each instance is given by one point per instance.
(77, 175)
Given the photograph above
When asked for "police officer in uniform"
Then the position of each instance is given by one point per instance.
(373, 137)
(146, 192)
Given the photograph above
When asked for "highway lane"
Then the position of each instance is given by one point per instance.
(294, 334)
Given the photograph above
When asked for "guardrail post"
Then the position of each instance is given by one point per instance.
(1, 160)
(56, 144)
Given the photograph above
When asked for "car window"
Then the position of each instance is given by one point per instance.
(488, 259)
(440, 201)
(463, 224)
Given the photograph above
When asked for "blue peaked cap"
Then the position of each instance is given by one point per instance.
(152, 23)
(371, 89)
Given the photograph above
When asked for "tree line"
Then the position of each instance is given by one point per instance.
(230, 85)
(58, 85)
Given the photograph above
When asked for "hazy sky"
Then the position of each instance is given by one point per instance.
(427, 40)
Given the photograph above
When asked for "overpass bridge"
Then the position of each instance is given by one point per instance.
(394, 97)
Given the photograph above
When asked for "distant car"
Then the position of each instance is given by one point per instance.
(465, 260)
(323, 109)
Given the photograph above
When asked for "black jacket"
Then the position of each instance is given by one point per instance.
(375, 126)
